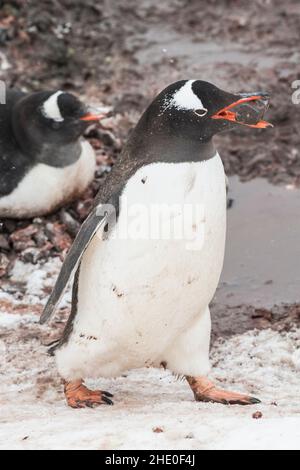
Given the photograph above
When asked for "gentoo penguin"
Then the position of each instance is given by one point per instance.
(44, 163)
(148, 258)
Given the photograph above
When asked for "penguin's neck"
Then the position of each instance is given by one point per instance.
(58, 156)
(179, 150)
(170, 149)
(51, 154)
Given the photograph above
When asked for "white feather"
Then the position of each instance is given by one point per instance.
(44, 188)
(185, 98)
(143, 302)
(50, 108)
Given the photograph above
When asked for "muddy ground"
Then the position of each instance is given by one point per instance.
(121, 54)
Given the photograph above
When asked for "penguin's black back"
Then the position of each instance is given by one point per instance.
(14, 164)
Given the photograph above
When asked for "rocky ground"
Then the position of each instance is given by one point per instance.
(121, 54)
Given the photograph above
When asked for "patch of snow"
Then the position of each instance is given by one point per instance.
(37, 282)
(35, 277)
(4, 63)
(264, 363)
(8, 320)
(5, 296)
(262, 360)
(280, 433)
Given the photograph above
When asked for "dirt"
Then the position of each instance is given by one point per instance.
(121, 54)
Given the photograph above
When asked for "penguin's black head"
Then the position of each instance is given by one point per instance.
(195, 109)
(51, 118)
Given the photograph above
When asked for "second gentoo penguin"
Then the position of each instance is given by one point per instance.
(44, 162)
(147, 260)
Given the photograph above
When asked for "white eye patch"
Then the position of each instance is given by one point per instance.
(50, 108)
(185, 98)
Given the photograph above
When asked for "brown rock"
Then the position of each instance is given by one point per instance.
(23, 238)
(58, 236)
(4, 244)
(4, 262)
(157, 430)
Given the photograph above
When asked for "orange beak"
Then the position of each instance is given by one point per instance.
(228, 114)
(92, 117)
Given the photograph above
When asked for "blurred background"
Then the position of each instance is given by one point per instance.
(121, 54)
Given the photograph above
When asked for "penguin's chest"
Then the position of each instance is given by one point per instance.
(44, 188)
(161, 265)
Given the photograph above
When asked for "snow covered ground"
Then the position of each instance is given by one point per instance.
(33, 414)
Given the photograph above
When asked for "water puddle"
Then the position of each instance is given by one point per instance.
(262, 262)
(167, 43)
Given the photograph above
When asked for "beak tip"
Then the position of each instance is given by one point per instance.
(264, 124)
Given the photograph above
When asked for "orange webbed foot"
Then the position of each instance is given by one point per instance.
(205, 390)
(79, 396)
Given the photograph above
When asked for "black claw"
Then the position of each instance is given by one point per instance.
(89, 404)
(254, 401)
(107, 394)
(225, 402)
(248, 401)
(107, 400)
(78, 404)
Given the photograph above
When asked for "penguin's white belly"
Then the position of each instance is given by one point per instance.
(143, 295)
(45, 188)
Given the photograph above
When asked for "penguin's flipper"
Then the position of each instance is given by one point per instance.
(92, 224)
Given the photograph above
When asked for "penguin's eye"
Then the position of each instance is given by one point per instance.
(201, 112)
